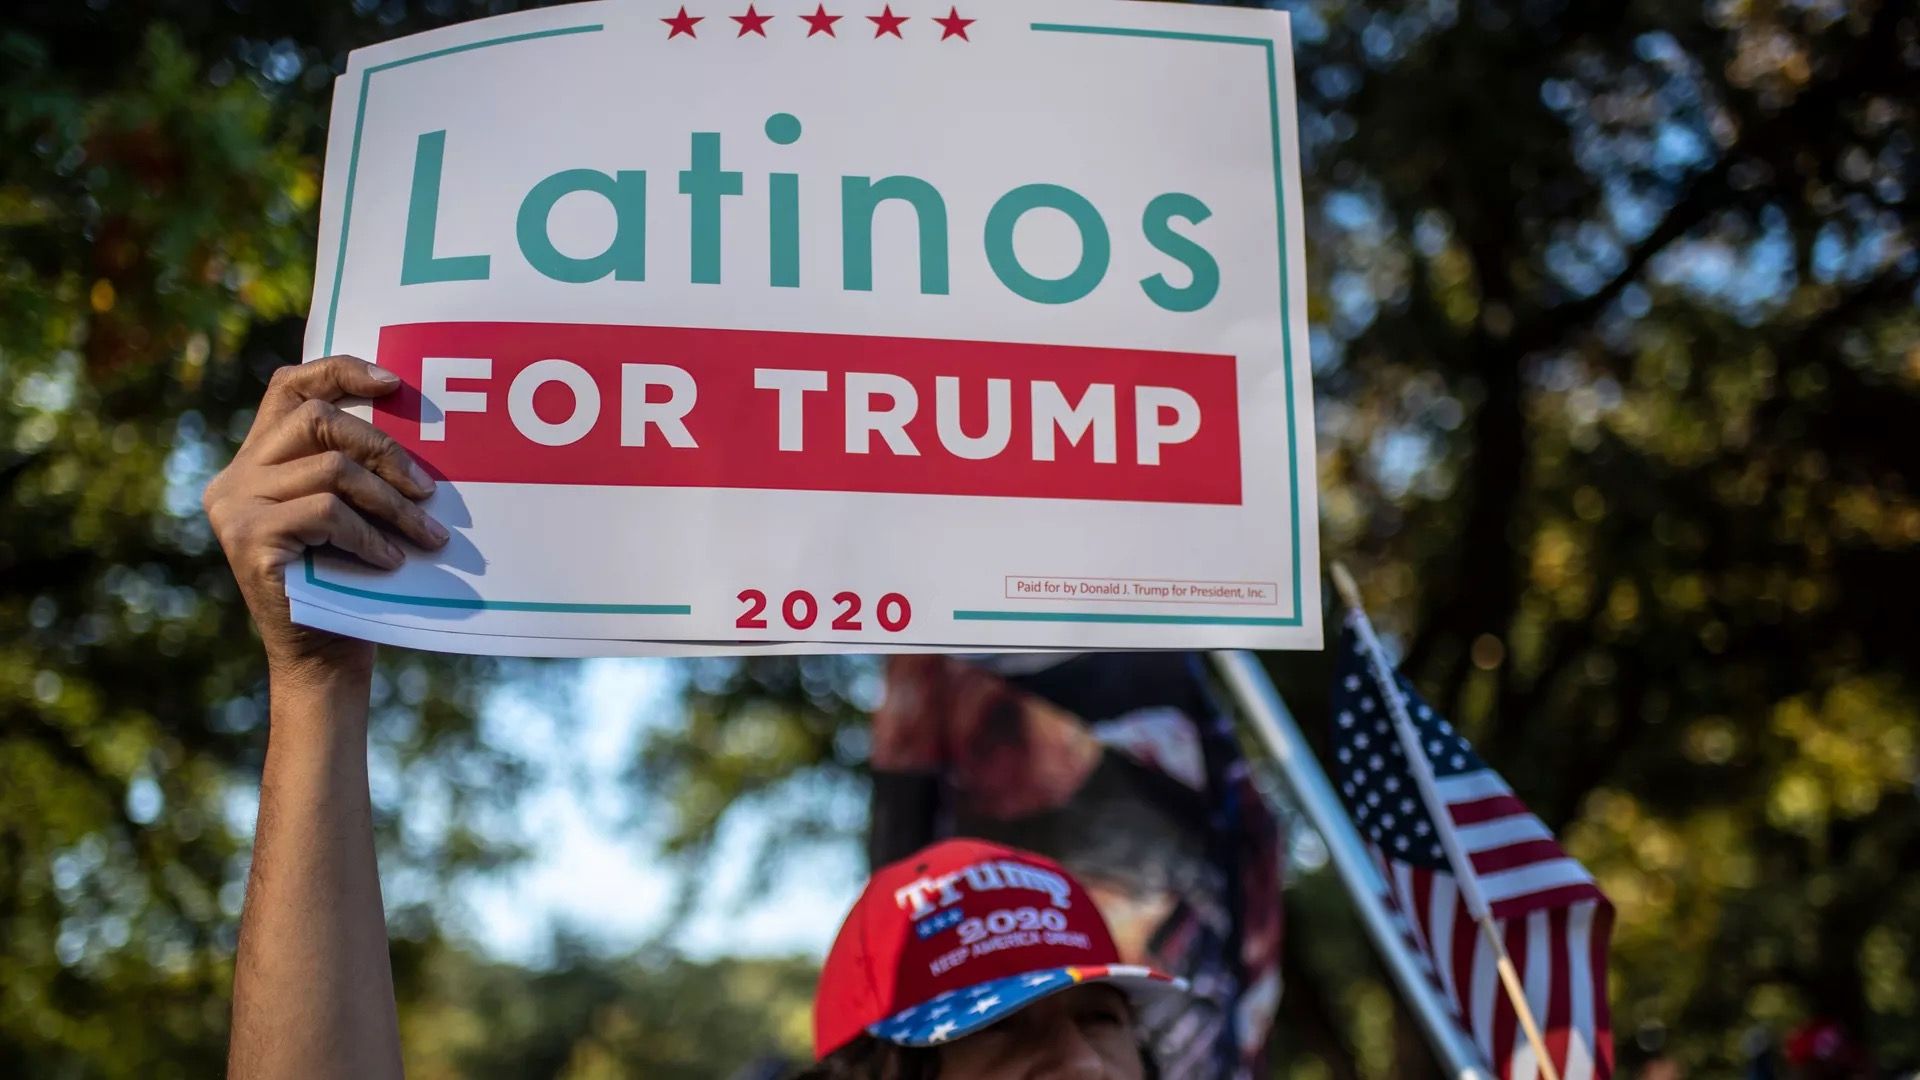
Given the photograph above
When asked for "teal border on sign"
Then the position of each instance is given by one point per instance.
(333, 310)
(360, 122)
(1286, 355)
(465, 604)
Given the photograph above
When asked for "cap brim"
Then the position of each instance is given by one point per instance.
(959, 1013)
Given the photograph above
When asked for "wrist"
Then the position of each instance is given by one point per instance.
(336, 688)
(342, 662)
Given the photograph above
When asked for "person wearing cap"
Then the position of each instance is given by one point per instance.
(966, 960)
(969, 961)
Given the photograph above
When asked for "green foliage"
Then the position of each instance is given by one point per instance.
(1659, 567)
(1617, 360)
(155, 253)
(786, 739)
(594, 1019)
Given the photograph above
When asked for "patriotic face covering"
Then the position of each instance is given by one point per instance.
(957, 937)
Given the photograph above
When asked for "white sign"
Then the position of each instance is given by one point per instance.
(852, 325)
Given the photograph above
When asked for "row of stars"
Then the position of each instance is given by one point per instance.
(983, 1000)
(821, 23)
(939, 1007)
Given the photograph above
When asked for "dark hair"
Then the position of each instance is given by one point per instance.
(867, 1058)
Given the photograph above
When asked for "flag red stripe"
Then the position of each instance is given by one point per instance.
(1392, 879)
(1602, 1012)
(1559, 1011)
(1506, 1022)
(1559, 896)
(1475, 811)
(1417, 932)
(1466, 934)
(1391, 894)
(1524, 853)
(1422, 904)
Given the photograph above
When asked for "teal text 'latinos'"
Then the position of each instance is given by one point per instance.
(706, 184)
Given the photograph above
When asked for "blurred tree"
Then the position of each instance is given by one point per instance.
(158, 175)
(590, 1018)
(1618, 359)
(1618, 364)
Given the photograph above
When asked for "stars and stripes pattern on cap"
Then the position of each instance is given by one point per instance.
(1547, 908)
(959, 1013)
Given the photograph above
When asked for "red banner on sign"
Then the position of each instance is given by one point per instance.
(656, 406)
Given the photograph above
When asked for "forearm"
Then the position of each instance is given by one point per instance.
(313, 987)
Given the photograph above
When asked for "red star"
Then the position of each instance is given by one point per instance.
(954, 25)
(751, 22)
(820, 22)
(886, 22)
(682, 24)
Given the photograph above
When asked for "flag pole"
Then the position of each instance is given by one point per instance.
(1457, 857)
(1313, 792)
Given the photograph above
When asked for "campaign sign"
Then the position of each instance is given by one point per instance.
(857, 324)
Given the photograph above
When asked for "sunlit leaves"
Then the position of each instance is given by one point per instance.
(155, 255)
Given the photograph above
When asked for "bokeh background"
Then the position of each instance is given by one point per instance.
(1618, 370)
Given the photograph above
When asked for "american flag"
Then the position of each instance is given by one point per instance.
(1547, 908)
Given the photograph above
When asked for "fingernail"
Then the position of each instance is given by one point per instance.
(436, 530)
(419, 476)
(381, 374)
(394, 556)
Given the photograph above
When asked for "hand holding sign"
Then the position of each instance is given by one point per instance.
(309, 475)
(831, 340)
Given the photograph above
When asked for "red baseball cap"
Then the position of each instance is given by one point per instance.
(958, 936)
